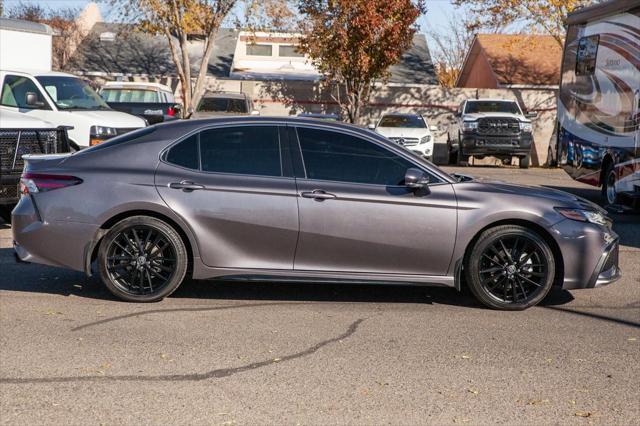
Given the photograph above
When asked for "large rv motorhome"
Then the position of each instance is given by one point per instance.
(599, 102)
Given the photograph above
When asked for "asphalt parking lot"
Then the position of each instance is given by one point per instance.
(229, 353)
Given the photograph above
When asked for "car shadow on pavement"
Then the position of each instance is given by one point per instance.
(44, 279)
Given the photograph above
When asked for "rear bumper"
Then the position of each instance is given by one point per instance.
(55, 243)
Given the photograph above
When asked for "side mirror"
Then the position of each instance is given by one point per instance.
(415, 178)
(532, 114)
(433, 128)
(31, 100)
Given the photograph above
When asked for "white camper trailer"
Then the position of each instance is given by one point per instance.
(599, 102)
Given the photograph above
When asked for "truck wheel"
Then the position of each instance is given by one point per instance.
(452, 154)
(525, 161)
(609, 185)
(5, 213)
(551, 162)
(461, 159)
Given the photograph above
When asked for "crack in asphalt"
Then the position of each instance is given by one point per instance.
(160, 311)
(213, 374)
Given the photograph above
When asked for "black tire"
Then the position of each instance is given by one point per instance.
(551, 162)
(142, 259)
(461, 159)
(609, 194)
(510, 268)
(452, 154)
(5, 212)
(525, 161)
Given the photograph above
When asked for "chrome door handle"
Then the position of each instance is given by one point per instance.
(318, 194)
(186, 185)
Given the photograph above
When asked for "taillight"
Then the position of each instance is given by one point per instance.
(171, 112)
(31, 183)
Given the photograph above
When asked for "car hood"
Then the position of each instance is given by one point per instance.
(477, 115)
(402, 132)
(560, 198)
(109, 118)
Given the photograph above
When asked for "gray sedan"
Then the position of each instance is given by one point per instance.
(249, 198)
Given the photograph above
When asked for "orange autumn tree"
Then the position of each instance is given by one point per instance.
(541, 16)
(354, 42)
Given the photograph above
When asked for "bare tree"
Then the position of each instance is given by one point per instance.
(449, 43)
(271, 15)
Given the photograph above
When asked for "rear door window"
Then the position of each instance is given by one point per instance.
(247, 150)
(185, 153)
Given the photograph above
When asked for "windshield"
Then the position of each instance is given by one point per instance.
(492, 106)
(223, 105)
(129, 95)
(71, 93)
(410, 121)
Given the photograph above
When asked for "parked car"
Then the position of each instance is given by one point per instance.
(20, 135)
(215, 104)
(308, 200)
(320, 116)
(152, 101)
(64, 100)
(495, 127)
(408, 130)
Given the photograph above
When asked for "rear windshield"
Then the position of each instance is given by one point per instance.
(223, 105)
(410, 121)
(492, 106)
(130, 95)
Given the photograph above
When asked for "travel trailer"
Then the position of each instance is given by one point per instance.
(598, 105)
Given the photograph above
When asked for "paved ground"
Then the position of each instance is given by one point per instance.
(318, 354)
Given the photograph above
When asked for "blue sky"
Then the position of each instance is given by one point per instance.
(435, 16)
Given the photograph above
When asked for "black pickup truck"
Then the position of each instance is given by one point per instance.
(16, 142)
(152, 101)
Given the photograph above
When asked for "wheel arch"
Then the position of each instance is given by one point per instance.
(540, 230)
(109, 223)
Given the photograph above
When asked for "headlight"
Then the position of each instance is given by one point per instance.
(469, 126)
(99, 134)
(583, 215)
(526, 127)
(425, 139)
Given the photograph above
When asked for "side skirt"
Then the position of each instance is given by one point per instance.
(267, 275)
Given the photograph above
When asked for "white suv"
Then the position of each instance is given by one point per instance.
(409, 130)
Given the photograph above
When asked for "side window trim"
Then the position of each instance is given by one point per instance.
(302, 174)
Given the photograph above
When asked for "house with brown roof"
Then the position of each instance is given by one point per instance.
(516, 61)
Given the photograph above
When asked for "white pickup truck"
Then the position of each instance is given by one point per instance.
(64, 100)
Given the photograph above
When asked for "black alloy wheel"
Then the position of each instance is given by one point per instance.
(510, 267)
(142, 259)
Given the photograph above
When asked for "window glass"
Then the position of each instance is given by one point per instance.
(129, 95)
(72, 93)
(290, 51)
(248, 150)
(14, 93)
(344, 158)
(509, 107)
(586, 55)
(185, 153)
(408, 121)
(259, 49)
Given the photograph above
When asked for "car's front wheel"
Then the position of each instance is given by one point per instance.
(510, 267)
(142, 259)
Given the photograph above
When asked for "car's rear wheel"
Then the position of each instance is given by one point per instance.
(609, 192)
(142, 259)
(525, 161)
(510, 267)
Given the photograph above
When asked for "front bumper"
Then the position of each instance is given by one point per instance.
(589, 254)
(478, 144)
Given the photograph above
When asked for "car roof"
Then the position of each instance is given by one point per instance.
(400, 114)
(490, 100)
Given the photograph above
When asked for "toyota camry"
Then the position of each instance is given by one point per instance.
(257, 198)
